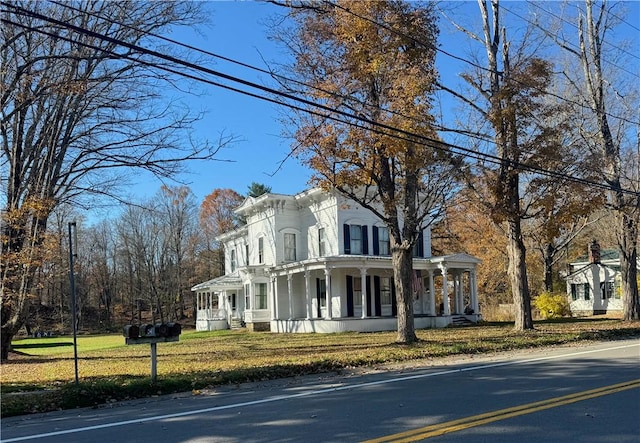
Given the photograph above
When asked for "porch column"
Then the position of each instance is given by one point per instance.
(445, 290)
(432, 294)
(274, 298)
(459, 295)
(473, 287)
(307, 292)
(327, 276)
(422, 294)
(290, 295)
(363, 287)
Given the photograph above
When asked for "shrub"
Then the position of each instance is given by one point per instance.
(552, 305)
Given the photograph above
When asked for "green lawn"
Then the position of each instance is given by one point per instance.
(110, 370)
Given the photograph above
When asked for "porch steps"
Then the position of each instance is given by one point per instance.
(460, 320)
(236, 323)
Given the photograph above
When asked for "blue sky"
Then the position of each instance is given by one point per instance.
(237, 31)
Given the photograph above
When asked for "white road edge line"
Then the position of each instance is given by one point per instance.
(308, 393)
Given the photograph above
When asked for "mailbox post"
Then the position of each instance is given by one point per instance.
(152, 334)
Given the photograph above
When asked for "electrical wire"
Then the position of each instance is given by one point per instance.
(271, 73)
(607, 42)
(378, 127)
(430, 45)
(274, 75)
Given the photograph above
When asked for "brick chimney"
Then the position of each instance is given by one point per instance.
(594, 252)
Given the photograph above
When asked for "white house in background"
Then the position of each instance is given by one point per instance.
(318, 262)
(594, 283)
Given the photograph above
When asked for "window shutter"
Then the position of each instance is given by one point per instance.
(347, 239)
(421, 244)
(318, 307)
(365, 240)
(376, 296)
(394, 304)
(376, 245)
(587, 293)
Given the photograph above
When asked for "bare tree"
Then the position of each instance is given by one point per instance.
(506, 97)
(78, 114)
(178, 209)
(610, 130)
(98, 256)
(140, 233)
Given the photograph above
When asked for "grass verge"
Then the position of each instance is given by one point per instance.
(41, 376)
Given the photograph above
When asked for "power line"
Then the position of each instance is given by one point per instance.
(379, 128)
(436, 144)
(266, 71)
(631, 25)
(575, 26)
(331, 93)
(567, 43)
(430, 45)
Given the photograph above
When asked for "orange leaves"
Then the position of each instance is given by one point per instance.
(216, 211)
(377, 74)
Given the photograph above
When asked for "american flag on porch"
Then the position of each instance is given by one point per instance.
(417, 283)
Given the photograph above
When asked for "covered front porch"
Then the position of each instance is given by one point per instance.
(219, 303)
(350, 293)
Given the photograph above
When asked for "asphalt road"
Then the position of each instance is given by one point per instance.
(565, 394)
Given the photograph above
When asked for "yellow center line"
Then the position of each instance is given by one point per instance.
(481, 419)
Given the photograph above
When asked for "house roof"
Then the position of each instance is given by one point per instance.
(231, 281)
(605, 255)
(263, 201)
(452, 259)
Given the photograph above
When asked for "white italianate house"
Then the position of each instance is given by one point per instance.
(318, 262)
(594, 283)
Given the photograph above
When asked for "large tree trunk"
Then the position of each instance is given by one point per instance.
(20, 260)
(6, 335)
(402, 259)
(627, 243)
(548, 268)
(13, 311)
(517, 271)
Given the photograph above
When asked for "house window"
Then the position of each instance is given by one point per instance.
(357, 291)
(355, 239)
(418, 247)
(322, 293)
(383, 241)
(586, 291)
(261, 296)
(289, 247)
(261, 250)
(246, 254)
(321, 243)
(607, 289)
(355, 233)
(580, 291)
(247, 296)
(233, 260)
(385, 290)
